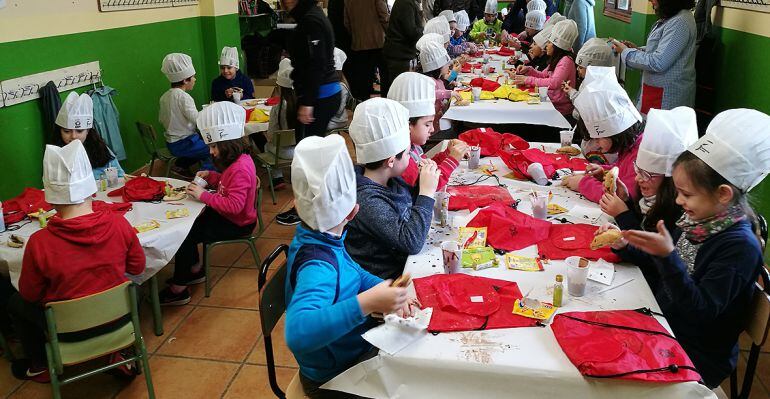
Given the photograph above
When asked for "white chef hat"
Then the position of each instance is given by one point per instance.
(229, 57)
(490, 7)
(379, 129)
(433, 55)
(737, 146)
(323, 181)
(221, 121)
(541, 37)
(339, 58)
(449, 15)
(416, 92)
(564, 34)
(536, 5)
(535, 19)
(555, 19)
(67, 174)
(177, 67)
(595, 51)
(429, 37)
(603, 105)
(283, 78)
(438, 25)
(461, 17)
(77, 112)
(666, 135)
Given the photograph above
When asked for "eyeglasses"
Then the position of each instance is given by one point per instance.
(645, 175)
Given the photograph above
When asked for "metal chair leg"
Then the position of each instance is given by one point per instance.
(157, 316)
(207, 269)
(270, 180)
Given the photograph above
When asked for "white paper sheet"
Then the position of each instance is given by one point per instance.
(397, 333)
(601, 271)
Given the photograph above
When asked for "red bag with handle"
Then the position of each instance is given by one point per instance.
(624, 344)
(509, 229)
(463, 303)
(30, 200)
(485, 84)
(472, 197)
(141, 188)
(565, 240)
(492, 142)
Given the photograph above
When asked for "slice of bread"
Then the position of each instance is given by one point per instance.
(568, 150)
(402, 281)
(611, 180)
(607, 238)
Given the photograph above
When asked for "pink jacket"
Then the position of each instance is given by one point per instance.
(565, 71)
(236, 191)
(593, 189)
(442, 103)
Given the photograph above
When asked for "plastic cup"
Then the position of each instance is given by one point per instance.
(452, 254)
(237, 95)
(565, 137)
(486, 43)
(112, 176)
(476, 93)
(577, 275)
(543, 93)
(474, 157)
(539, 206)
(536, 172)
(200, 181)
(441, 208)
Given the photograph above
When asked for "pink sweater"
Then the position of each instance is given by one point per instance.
(565, 71)
(593, 189)
(236, 189)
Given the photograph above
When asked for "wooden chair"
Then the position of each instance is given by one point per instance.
(757, 328)
(270, 161)
(272, 305)
(148, 136)
(84, 315)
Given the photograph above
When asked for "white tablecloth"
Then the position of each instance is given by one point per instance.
(256, 127)
(159, 245)
(513, 362)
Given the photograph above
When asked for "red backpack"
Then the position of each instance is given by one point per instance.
(17, 208)
(472, 197)
(141, 188)
(624, 344)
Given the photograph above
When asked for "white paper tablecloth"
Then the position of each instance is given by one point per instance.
(255, 127)
(513, 362)
(159, 245)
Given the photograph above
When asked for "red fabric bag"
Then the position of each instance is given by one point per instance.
(120, 207)
(485, 84)
(472, 197)
(141, 188)
(509, 229)
(272, 101)
(566, 240)
(30, 200)
(624, 344)
(512, 141)
(505, 51)
(484, 137)
(450, 297)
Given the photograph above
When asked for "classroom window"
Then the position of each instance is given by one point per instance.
(618, 9)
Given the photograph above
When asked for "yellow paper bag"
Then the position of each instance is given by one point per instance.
(259, 115)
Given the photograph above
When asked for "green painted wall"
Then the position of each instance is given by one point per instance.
(130, 59)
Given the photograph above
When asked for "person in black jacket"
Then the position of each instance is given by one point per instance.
(404, 29)
(316, 82)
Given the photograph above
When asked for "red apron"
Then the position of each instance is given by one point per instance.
(565, 240)
(509, 229)
(472, 197)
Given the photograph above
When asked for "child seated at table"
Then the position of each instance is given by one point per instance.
(230, 211)
(340, 119)
(81, 252)
(435, 64)
(178, 114)
(489, 27)
(458, 44)
(441, 27)
(561, 67)
(328, 295)
(395, 218)
(416, 92)
(230, 78)
(594, 52)
(708, 274)
(75, 121)
(610, 120)
(533, 24)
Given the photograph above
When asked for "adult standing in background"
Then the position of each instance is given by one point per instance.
(667, 61)
(366, 21)
(514, 19)
(335, 11)
(582, 12)
(455, 5)
(404, 29)
(478, 10)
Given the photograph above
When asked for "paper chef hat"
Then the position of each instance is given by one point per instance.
(555, 19)
(538, 5)
(462, 20)
(449, 15)
(283, 77)
(666, 135)
(564, 34)
(77, 112)
(737, 146)
(229, 57)
(542, 37)
(67, 174)
(433, 55)
(490, 7)
(221, 121)
(603, 105)
(339, 59)
(323, 180)
(535, 20)
(595, 51)
(416, 92)
(379, 129)
(438, 25)
(177, 67)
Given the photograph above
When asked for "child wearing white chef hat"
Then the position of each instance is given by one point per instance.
(98, 249)
(229, 212)
(707, 276)
(231, 79)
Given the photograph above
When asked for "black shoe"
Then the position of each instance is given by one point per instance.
(192, 279)
(288, 218)
(169, 298)
(23, 369)
(279, 183)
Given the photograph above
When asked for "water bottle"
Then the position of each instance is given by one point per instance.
(2, 219)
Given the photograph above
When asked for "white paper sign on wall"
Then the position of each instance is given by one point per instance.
(26, 88)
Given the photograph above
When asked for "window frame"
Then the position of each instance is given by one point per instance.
(611, 10)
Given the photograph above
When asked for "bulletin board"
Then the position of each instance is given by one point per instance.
(126, 5)
(26, 88)
(752, 5)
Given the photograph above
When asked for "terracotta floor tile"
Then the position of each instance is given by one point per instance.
(252, 382)
(283, 356)
(215, 334)
(758, 391)
(198, 291)
(226, 255)
(275, 230)
(100, 386)
(183, 378)
(8, 383)
(282, 197)
(763, 369)
(236, 289)
(267, 217)
(264, 247)
(172, 316)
